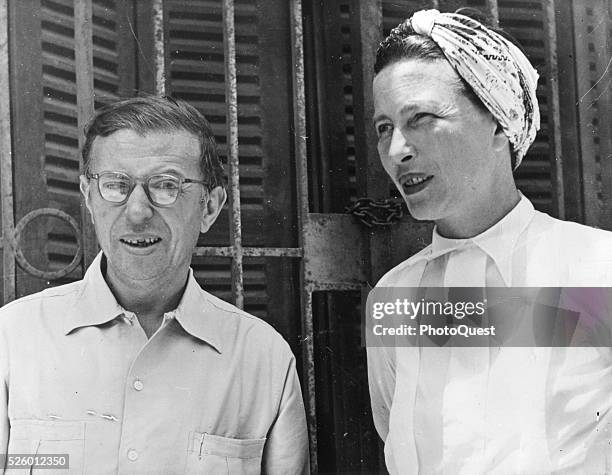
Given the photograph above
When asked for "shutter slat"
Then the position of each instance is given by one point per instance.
(213, 46)
(67, 65)
(203, 64)
(192, 25)
(216, 88)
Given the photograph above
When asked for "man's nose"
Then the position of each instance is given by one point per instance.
(399, 149)
(139, 209)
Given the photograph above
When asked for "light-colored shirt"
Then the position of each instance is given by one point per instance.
(507, 410)
(214, 390)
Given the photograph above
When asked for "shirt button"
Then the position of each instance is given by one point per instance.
(132, 455)
(138, 385)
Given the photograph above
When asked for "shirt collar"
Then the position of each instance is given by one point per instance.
(198, 316)
(96, 305)
(497, 242)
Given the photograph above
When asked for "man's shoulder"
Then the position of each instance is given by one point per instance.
(401, 275)
(240, 325)
(32, 306)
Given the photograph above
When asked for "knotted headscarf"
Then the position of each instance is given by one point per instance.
(498, 72)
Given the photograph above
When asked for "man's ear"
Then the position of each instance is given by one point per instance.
(213, 206)
(84, 186)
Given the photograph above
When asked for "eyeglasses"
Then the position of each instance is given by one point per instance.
(162, 190)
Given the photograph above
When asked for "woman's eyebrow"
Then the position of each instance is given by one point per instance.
(409, 108)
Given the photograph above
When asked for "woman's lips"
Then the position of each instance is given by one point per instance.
(412, 184)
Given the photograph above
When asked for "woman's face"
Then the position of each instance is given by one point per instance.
(434, 142)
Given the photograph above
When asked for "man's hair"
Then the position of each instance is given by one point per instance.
(157, 114)
(405, 43)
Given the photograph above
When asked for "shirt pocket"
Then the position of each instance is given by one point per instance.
(223, 455)
(34, 437)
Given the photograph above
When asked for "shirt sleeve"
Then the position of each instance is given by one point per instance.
(4, 421)
(286, 449)
(381, 381)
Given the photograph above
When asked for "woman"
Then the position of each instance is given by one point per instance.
(455, 112)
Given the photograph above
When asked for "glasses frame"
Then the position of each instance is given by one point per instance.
(145, 186)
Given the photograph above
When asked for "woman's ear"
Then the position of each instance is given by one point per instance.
(500, 139)
(214, 201)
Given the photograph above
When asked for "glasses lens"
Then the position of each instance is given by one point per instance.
(114, 187)
(164, 189)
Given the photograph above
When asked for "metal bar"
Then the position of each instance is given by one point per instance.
(335, 286)
(373, 181)
(126, 68)
(603, 102)
(209, 251)
(309, 375)
(493, 8)
(591, 68)
(83, 49)
(226, 251)
(159, 47)
(573, 180)
(6, 161)
(554, 114)
(231, 96)
(367, 26)
(299, 130)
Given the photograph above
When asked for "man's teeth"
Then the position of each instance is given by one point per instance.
(415, 180)
(141, 242)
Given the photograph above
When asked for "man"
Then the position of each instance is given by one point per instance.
(136, 369)
(455, 112)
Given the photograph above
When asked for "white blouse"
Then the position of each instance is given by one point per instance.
(499, 410)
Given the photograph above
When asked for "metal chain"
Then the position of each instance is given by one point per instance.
(377, 213)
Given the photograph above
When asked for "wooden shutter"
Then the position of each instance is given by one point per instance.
(43, 81)
(196, 74)
(535, 176)
(111, 81)
(592, 35)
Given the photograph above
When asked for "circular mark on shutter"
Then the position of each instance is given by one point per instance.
(20, 257)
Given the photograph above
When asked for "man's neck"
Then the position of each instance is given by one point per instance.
(148, 299)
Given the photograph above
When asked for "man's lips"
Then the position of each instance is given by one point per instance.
(414, 182)
(140, 241)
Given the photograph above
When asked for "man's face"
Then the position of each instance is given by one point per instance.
(170, 233)
(435, 144)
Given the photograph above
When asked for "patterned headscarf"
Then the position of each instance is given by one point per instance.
(498, 72)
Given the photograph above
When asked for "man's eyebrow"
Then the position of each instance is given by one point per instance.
(378, 117)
